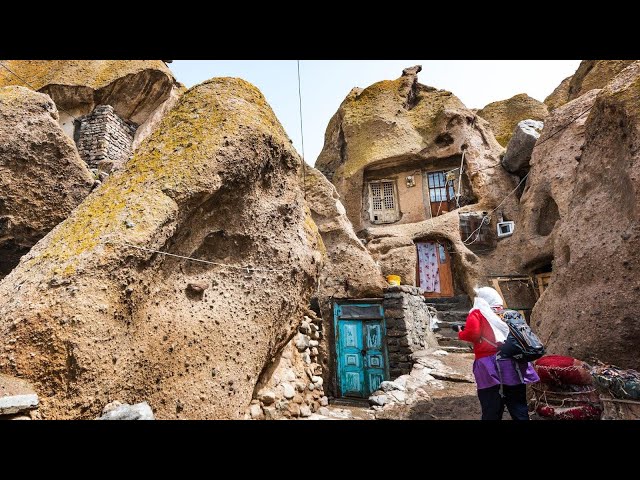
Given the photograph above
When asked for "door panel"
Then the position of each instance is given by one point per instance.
(374, 358)
(350, 351)
(360, 349)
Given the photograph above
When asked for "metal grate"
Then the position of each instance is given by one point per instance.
(389, 202)
(376, 196)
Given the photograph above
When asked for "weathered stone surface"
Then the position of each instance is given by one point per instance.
(504, 115)
(516, 158)
(397, 396)
(388, 386)
(256, 412)
(16, 395)
(139, 411)
(378, 400)
(349, 270)
(218, 180)
(550, 184)
(590, 307)
(17, 403)
(594, 74)
(42, 178)
(288, 391)
(141, 91)
(302, 342)
(305, 411)
(590, 75)
(266, 396)
(559, 96)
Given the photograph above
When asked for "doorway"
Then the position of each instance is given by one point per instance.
(434, 273)
(360, 348)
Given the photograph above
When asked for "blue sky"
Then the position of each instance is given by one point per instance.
(325, 83)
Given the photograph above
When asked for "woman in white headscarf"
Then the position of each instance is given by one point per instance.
(486, 330)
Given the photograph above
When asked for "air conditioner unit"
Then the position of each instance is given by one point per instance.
(505, 229)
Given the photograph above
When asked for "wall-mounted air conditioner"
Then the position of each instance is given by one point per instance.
(505, 229)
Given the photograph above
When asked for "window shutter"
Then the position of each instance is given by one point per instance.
(389, 203)
(376, 197)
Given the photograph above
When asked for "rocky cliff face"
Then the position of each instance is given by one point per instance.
(42, 178)
(504, 115)
(590, 307)
(90, 318)
(591, 74)
(402, 122)
(550, 185)
(348, 271)
(559, 96)
(140, 91)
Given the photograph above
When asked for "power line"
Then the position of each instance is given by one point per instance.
(523, 178)
(484, 217)
(304, 167)
(35, 89)
(247, 268)
(563, 127)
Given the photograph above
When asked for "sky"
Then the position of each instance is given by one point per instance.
(325, 83)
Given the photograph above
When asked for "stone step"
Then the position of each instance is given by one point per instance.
(455, 316)
(444, 341)
(449, 303)
(450, 349)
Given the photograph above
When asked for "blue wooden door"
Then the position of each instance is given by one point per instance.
(360, 348)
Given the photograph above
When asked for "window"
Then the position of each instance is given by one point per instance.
(441, 193)
(382, 201)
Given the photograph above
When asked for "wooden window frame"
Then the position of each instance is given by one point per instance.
(396, 201)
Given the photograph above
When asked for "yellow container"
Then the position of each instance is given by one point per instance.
(393, 279)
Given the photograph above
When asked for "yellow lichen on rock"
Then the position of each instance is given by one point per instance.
(88, 73)
(504, 115)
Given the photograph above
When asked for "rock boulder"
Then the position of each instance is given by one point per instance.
(520, 146)
(42, 178)
(99, 313)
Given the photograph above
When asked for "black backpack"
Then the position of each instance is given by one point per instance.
(521, 344)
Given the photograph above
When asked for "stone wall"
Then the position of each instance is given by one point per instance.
(292, 386)
(103, 136)
(408, 320)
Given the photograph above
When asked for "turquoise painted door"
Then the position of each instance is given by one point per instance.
(360, 348)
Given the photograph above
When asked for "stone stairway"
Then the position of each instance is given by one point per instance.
(451, 310)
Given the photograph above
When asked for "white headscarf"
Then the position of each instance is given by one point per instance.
(487, 297)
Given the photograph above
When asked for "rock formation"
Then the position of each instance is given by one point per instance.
(42, 178)
(402, 122)
(559, 96)
(140, 91)
(98, 316)
(590, 307)
(590, 75)
(348, 271)
(549, 186)
(516, 158)
(504, 115)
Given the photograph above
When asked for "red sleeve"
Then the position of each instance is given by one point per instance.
(471, 332)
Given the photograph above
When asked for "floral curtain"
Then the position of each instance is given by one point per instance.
(428, 266)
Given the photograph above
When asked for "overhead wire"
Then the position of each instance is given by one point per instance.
(304, 167)
(523, 178)
(35, 89)
(236, 267)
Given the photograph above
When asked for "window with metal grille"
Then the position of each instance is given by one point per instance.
(440, 190)
(383, 202)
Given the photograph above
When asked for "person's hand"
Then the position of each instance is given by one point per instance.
(457, 327)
